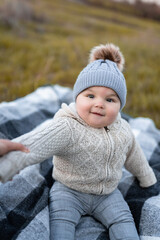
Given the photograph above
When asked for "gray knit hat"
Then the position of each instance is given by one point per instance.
(104, 70)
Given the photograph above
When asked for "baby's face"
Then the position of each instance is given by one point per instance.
(98, 106)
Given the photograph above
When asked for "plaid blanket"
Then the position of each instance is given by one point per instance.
(24, 203)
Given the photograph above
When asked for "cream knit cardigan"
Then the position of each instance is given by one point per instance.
(86, 159)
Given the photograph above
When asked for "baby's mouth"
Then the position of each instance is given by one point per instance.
(98, 114)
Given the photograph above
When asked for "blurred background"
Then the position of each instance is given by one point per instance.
(48, 42)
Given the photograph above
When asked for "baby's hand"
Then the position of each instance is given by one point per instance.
(7, 146)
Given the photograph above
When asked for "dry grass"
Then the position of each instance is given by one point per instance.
(52, 46)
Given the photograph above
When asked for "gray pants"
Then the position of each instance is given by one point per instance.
(67, 206)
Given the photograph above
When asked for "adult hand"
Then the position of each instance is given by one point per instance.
(7, 146)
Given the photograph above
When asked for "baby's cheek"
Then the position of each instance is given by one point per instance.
(113, 116)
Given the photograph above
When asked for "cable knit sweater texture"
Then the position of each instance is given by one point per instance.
(86, 159)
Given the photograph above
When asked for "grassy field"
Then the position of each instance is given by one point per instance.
(52, 47)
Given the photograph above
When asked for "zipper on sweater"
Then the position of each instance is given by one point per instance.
(109, 157)
(110, 154)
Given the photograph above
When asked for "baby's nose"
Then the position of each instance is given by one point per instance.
(99, 104)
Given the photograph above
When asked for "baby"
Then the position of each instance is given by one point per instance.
(90, 143)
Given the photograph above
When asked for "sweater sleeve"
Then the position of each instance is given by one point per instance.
(48, 139)
(138, 165)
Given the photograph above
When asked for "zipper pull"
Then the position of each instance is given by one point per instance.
(107, 130)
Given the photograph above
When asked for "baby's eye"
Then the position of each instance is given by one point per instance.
(109, 100)
(90, 96)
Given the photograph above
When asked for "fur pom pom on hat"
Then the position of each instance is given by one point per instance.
(108, 51)
(104, 69)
